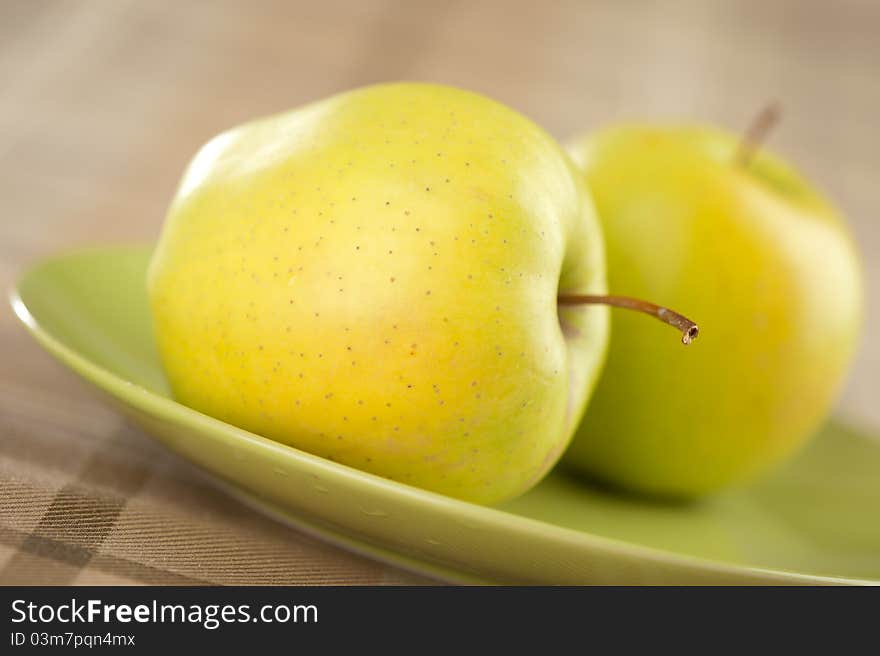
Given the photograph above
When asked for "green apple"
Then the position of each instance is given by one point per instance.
(373, 278)
(745, 246)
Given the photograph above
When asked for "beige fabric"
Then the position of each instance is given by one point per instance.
(89, 503)
(103, 102)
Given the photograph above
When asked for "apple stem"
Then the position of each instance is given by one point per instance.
(756, 133)
(689, 330)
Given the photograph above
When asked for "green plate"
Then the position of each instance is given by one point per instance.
(815, 521)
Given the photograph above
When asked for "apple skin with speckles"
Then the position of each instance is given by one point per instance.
(766, 267)
(373, 278)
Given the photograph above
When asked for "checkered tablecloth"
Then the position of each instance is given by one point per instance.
(87, 499)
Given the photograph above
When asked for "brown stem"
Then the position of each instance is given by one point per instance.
(689, 330)
(756, 133)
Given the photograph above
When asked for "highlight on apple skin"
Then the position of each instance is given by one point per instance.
(373, 278)
(766, 266)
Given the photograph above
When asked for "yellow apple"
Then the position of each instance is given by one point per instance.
(373, 278)
(762, 261)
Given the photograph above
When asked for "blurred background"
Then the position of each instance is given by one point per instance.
(102, 103)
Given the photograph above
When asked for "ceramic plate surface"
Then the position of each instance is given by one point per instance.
(817, 520)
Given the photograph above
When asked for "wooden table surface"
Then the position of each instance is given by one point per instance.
(102, 102)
